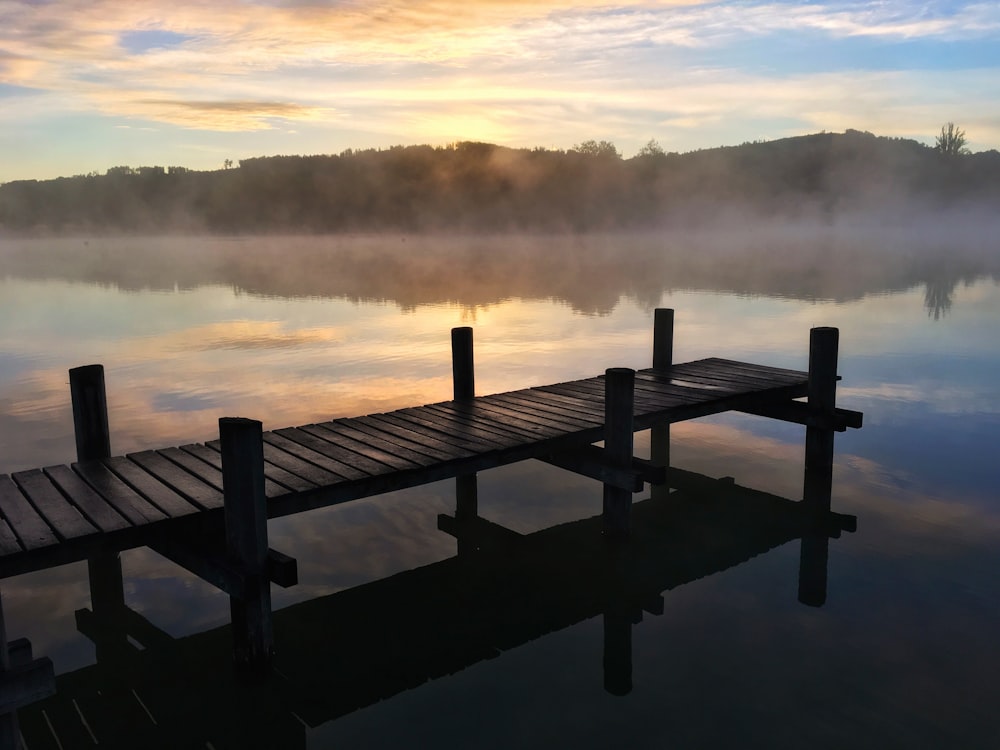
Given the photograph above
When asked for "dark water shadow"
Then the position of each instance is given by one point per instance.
(348, 650)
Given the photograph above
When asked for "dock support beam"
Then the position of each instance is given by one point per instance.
(619, 397)
(245, 510)
(463, 372)
(818, 480)
(93, 443)
(663, 360)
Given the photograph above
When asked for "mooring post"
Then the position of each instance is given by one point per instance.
(93, 443)
(818, 480)
(663, 360)
(463, 373)
(245, 511)
(463, 369)
(619, 396)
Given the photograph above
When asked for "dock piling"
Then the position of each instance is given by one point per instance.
(462, 366)
(619, 397)
(93, 443)
(818, 481)
(663, 360)
(245, 511)
(463, 373)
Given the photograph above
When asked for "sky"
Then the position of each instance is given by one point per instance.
(90, 84)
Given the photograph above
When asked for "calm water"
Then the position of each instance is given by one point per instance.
(291, 331)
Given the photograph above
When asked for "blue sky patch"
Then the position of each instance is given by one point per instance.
(138, 42)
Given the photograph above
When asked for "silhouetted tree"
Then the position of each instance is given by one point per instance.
(951, 141)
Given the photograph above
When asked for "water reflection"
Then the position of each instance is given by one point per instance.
(341, 652)
(591, 273)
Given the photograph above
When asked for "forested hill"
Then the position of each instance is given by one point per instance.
(482, 187)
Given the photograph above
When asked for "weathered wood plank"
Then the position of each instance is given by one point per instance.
(437, 419)
(501, 411)
(751, 366)
(94, 507)
(423, 428)
(396, 448)
(29, 526)
(368, 451)
(326, 444)
(714, 377)
(212, 456)
(588, 406)
(346, 471)
(385, 424)
(8, 540)
(64, 517)
(163, 496)
(191, 487)
(783, 377)
(548, 409)
(123, 498)
(406, 438)
(309, 475)
(278, 480)
(488, 423)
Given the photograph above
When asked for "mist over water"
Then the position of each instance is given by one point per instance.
(297, 329)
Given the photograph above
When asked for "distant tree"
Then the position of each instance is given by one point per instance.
(597, 148)
(227, 164)
(652, 148)
(951, 142)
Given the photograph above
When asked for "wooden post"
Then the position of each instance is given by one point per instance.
(818, 481)
(619, 396)
(463, 374)
(663, 359)
(663, 338)
(90, 412)
(245, 510)
(462, 366)
(93, 443)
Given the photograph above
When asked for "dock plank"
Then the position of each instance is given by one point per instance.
(63, 516)
(404, 436)
(163, 496)
(370, 452)
(425, 432)
(341, 469)
(330, 449)
(31, 529)
(126, 500)
(8, 540)
(95, 508)
(196, 490)
(213, 456)
(439, 420)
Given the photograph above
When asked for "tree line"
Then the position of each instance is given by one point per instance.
(471, 186)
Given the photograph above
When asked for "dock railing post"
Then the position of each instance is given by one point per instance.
(93, 443)
(619, 397)
(663, 359)
(245, 510)
(818, 479)
(463, 373)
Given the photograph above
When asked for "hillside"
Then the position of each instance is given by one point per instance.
(481, 187)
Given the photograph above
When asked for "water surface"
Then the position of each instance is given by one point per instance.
(298, 330)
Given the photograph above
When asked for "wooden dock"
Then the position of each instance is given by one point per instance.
(206, 505)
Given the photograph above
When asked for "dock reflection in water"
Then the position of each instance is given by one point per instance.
(344, 651)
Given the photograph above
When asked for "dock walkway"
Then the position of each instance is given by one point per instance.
(59, 514)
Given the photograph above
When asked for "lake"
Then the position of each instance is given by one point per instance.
(292, 330)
